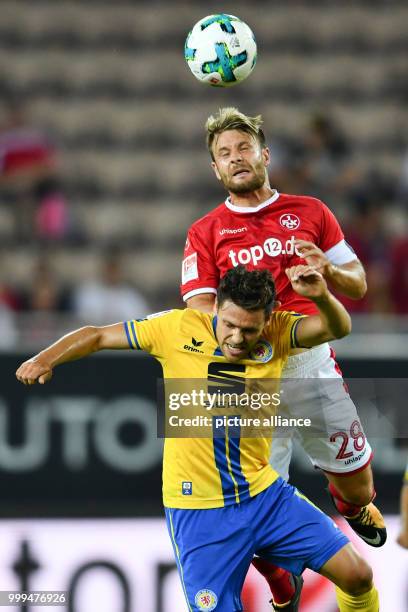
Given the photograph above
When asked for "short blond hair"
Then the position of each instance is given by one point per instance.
(230, 118)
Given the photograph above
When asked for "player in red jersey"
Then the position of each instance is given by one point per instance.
(260, 228)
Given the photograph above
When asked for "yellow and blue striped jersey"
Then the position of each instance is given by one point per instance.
(211, 472)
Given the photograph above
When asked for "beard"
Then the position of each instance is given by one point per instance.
(252, 184)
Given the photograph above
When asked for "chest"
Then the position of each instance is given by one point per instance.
(264, 240)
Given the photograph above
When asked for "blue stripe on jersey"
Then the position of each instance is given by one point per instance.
(235, 461)
(293, 336)
(220, 455)
(132, 324)
(214, 325)
(218, 352)
(127, 335)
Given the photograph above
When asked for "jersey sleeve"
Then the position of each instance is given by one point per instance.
(330, 230)
(199, 272)
(155, 334)
(281, 332)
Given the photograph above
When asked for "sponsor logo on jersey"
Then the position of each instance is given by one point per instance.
(189, 270)
(272, 247)
(187, 488)
(206, 600)
(195, 343)
(237, 230)
(289, 221)
(262, 351)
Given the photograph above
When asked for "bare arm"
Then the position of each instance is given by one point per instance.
(204, 302)
(74, 345)
(348, 279)
(333, 320)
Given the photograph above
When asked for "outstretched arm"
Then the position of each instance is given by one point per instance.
(333, 320)
(348, 279)
(74, 345)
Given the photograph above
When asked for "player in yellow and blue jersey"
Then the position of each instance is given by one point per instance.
(224, 502)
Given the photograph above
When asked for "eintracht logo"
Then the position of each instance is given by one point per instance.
(289, 221)
(206, 600)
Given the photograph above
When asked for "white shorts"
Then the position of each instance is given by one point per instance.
(340, 447)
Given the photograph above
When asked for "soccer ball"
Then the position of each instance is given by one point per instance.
(220, 50)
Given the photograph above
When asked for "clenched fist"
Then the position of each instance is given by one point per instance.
(34, 370)
(308, 282)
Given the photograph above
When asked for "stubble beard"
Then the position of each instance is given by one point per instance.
(253, 184)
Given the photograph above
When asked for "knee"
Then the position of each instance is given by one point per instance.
(358, 579)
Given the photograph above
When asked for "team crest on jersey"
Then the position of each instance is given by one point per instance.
(262, 352)
(289, 221)
(206, 600)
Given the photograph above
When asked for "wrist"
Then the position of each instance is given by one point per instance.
(331, 271)
(324, 298)
(43, 360)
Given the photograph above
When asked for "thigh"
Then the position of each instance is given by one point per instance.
(337, 442)
(295, 533)
(213, 553)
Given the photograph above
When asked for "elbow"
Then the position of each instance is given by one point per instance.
(361, 290)
(94, 336)
(345, 328)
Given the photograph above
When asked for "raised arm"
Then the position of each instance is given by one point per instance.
(333, 320)
(348, 279)
(74, 345)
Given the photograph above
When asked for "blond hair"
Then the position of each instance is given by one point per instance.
(230, 118)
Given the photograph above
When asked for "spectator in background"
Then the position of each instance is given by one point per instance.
(109, 299)
(327, 157)
(45, 294)
(368, 235)
(29, 177)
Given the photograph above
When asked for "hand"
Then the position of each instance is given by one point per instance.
(33, 371)
(313, 256)
(307, 281)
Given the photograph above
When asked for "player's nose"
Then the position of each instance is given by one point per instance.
(237, 337)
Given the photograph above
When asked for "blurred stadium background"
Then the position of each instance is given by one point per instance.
(103, 167)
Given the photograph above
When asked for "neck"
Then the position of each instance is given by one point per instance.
(252, 198)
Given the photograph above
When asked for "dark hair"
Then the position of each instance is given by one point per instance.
(251, 290)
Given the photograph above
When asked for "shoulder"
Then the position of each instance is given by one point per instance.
(190, 316)
(281, 321)
(207, 221)
(303, 200)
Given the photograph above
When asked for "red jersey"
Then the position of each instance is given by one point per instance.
(260, 237)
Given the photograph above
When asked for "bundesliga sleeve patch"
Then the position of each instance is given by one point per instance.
(189, 269)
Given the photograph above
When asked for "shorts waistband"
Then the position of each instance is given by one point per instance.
(308, 360)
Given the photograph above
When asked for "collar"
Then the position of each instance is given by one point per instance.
(251, 209)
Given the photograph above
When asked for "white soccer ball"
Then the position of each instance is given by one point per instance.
(220, 50)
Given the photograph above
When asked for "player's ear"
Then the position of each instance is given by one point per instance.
(215, 306)
(277, 304)
(214, 167)
(266, 156)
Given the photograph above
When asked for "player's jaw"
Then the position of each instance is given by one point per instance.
(244, 179)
